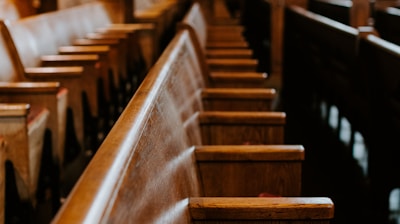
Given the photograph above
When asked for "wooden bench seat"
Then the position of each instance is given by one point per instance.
(195, 21)
(156, 163)
(23, 127)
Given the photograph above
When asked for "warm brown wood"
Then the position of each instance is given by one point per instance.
(220, 37)
(146, 170)
(218, 177)
(30, 56)
(3, 157)
(232, 53)
(49, 95)
(205, 208)
(23, 127)
(226, 78)
(237, 99)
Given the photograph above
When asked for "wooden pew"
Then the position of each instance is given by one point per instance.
(155, 163)
(385, 20)
(163, 14)
(225, 40)
(69, 76)
(23, 127)
(3, 157)
(14, 87)
(353, 13)
(321, 54)
(227, 91)
(380, 59)
(225, 78)
(336, 10)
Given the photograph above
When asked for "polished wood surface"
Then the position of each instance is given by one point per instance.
(16, 88)
(23, 127)
(224, 37)
(147, 170)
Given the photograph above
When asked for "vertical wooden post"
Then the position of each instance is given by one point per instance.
(277, 25)
(360, 13)
(27, 7)
(277, 29)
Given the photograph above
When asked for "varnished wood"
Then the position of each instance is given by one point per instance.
(229, 38)
(261, 208)
(49, 95)
(23, 127)
(146, 170)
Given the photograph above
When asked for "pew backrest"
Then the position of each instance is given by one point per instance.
(9, 10)
(330, 48)
(336, 10)
(384, 22)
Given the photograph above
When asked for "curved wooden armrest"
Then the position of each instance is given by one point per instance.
(287, 208)
(29, 87)
(249, 153)
(54, 72)
(228, 117)
(239, 93)
(14, 109)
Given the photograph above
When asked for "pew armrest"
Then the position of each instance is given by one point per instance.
(54, 72)
(95, 49)
(238, 79)
(128, 27)
(229, 53)
(233, 64)
(239, 99)
(242, 127)
(298, 208)
(29, 87)
(14, 109)
(272, 169)
(69, 60)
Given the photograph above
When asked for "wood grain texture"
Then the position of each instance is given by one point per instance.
(147, 170)
(23, 127)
